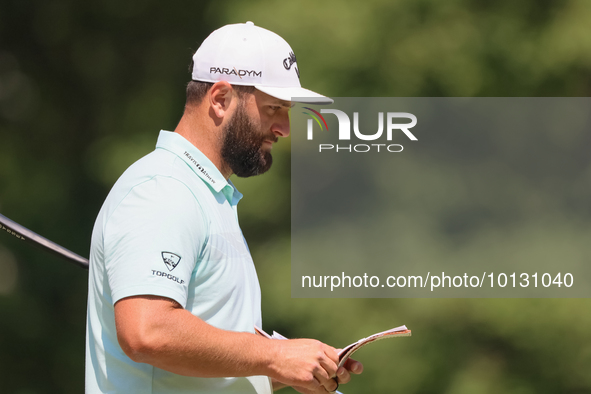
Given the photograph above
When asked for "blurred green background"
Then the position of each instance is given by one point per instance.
(86, 86)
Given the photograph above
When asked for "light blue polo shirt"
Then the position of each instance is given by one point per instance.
(169, 228)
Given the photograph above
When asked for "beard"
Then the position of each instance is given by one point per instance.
(242, 145)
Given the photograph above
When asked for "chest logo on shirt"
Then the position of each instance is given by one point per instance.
(171, 260)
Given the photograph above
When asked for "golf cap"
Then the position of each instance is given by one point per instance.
(248, 55)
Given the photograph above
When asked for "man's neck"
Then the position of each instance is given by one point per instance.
(204, 136)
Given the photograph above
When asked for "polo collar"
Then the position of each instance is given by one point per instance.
(199, 163)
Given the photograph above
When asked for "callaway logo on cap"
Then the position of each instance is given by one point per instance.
(245, 54)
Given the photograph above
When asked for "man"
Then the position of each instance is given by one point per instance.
(173, 292)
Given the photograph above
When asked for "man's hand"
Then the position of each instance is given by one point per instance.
(307, 364)
(343, 374)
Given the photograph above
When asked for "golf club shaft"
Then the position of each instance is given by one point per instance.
(27, 235)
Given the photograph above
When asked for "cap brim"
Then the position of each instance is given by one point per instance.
(299, 95)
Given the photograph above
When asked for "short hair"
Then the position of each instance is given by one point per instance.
(196, 91)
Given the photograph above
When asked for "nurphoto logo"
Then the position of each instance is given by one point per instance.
(344, 130)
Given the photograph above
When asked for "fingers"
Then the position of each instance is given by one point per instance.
(326, 375)
(307, 364)
(327, 378)
(317, 387)
(351, 366)
(303, 390)
(343, 375)
(329, 384)
(354, 366)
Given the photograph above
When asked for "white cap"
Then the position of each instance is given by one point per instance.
(245, 54)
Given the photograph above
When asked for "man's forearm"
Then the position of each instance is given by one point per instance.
(171, 338)
(159, 332)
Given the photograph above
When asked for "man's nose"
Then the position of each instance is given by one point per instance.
(281, 127)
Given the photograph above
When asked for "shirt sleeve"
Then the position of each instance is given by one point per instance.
(153, 240)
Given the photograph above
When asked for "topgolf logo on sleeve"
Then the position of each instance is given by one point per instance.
(171, 260)
(394, 124)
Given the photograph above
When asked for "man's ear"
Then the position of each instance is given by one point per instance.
(220, 97)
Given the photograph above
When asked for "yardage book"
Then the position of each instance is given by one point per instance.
(346, 352)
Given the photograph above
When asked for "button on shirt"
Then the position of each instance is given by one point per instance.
(169, 228)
